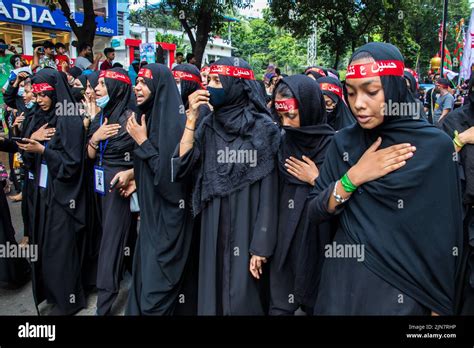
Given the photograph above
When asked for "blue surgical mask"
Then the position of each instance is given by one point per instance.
(102, 101)
(218, 96)
(21, 91)
(30, 104)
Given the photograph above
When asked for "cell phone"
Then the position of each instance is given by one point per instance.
(19, 139)
(113, 183)
(41, 50)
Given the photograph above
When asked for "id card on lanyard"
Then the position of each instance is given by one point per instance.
(99, 173)
(43, 179)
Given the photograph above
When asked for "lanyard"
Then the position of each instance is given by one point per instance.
(102, 146)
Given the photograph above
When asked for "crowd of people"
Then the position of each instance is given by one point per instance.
(224, 195)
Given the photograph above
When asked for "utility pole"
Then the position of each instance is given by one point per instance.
(312, 51)
(445, 18)
(147, 20)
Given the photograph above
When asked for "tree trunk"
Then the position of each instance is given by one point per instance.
(202, 37)
(86, 32)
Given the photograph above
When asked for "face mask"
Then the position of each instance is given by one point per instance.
(30, 104)
(329, 111)
(218, 96)
(21, 91)
(77, 93)
(102, 101)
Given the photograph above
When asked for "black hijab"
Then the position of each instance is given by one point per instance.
(341, 116)
(409, 220)
(93, 79)
(314, 134)
(243, 123)
(408, 76)
(165, 123)
(116, 111)
(66, 165)
(316, 71)
(188, 87)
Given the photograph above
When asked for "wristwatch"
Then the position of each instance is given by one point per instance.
(339, 199)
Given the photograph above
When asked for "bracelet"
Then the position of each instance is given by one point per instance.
(95, 147)
(457, 141)
(339, 199)
(192, 130)
(347, 184)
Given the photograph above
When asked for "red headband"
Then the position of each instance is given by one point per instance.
(329, 87)
(183, 75)
(232, 71)
(146, 73)
(286, 105)
(318, 70)
(377, 68)
(115, 76)
(206, 69)
(41, 87)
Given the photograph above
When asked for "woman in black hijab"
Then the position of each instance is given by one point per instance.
(315, 72)
(58, 168)
(188, 80)
(165, 221)
(459, 125)
(233, 153)
(112, 147)
(306, 135)
(338, 114)
(399, 244)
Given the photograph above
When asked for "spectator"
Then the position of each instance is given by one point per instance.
(5, 66)
(84, 63)
(62, 59)
(445, 102)
(109, 53)
(191, 58)
(179, 59)
(44, 57)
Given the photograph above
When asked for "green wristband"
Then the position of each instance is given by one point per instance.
(347, 185)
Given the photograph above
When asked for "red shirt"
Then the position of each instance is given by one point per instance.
(59, 59)
(106, 65)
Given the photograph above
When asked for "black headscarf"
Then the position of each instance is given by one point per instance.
(78, 92)
(188, 87)
(407, 75)
(409, 220)
(313, 135)
(93, 79)
(165, 126)
(243, 123)
(66, 166)
(341, 116)
(116, 111)
(75, 72)
(316, 71)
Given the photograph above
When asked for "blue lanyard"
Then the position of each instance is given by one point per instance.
(102, 146)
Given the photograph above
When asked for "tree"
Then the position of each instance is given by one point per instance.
(200, 18)
(343, 25)
(84, 32)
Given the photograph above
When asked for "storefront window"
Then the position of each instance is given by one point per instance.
(101, 7)
(12, 34)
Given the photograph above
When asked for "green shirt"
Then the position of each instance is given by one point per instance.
(5, 68)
